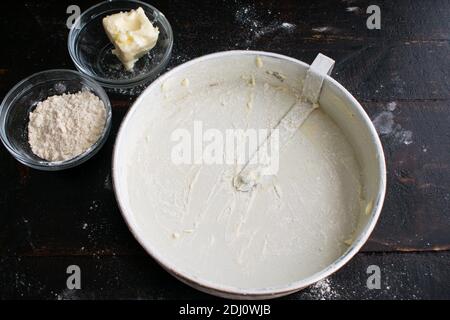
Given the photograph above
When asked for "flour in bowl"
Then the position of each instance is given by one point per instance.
(64, 126)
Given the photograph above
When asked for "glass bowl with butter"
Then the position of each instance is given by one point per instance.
(121, 44)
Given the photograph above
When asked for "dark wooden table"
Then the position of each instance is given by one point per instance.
(400, 74)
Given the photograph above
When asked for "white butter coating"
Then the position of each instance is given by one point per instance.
(290, 227)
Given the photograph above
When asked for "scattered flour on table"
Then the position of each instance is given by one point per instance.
(386, 126)
(326, 29)
(384, 122)
(323, 290)
(107, 183)
(321, 29)
(287, 25)
(352, 9)
(257, 25)
(64, 126)
(391, 106)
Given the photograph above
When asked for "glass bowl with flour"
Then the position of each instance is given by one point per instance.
(190, 135)
(55, 119)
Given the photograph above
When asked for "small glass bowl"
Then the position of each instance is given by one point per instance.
(91, 50)
(23, 98)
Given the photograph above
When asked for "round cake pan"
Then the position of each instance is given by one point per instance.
(335, 101)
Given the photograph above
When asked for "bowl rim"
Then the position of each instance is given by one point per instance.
(55, 165)
(227, 291)
(120, 83)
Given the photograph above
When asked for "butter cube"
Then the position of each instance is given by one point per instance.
(132, 35)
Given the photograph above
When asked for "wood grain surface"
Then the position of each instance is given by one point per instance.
(400, 74)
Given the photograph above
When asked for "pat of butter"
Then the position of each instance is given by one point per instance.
(132, 35)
